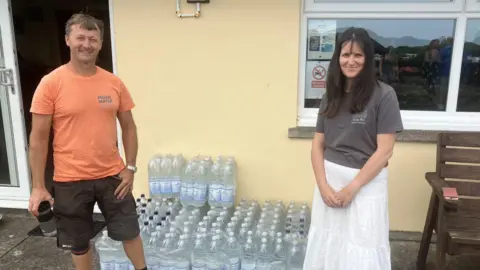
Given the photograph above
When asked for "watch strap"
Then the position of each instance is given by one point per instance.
(132, 168)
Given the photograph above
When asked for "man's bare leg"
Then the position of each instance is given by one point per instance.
(83, 262)
(134, 250)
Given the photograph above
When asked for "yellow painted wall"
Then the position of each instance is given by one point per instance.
(227, 84)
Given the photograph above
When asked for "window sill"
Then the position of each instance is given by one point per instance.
(406, 136)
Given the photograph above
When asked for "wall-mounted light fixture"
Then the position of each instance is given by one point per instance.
(198, 1)
(191, 15)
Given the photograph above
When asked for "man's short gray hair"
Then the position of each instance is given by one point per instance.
(86, 22)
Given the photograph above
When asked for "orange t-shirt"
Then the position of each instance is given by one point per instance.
(84, 123)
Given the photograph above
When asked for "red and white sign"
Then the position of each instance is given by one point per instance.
(316, 79)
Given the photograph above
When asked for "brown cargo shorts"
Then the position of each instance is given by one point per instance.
(73, 209)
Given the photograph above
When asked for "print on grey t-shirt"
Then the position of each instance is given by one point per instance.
(360, 118)
(350, 139)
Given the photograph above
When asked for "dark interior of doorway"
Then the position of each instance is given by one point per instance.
(39, 35)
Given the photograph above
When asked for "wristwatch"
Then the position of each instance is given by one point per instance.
(132, 168)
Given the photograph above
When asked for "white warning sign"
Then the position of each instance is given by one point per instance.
(316, 79)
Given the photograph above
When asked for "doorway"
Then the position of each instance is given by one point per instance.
(43, 23)
(32, 44)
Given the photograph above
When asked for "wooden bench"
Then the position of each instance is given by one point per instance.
(456, 222)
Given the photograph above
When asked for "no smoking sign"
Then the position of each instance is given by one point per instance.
(319, 73)
(316, 76)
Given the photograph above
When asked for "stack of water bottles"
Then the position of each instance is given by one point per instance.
(197, 182)
(189, 222)
(182, 237)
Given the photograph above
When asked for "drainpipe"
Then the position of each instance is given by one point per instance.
(187, 15)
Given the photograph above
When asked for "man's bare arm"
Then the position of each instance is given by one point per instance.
(38, 149)
(130, 143)
(129, 136)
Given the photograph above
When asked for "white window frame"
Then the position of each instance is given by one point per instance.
(448, 120)
(473, 5)
(370, 6)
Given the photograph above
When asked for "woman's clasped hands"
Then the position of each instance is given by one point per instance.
(341, 198)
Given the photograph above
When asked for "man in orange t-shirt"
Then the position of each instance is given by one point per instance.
(82, 102)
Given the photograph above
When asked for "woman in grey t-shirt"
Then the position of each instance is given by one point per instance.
(356, 128)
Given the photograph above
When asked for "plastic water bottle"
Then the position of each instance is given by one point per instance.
(199, 255)
(182, 254)
(187, 185)
(304, 221)
(121, 260)
(229, 184)
(143, 199)
(233, 250)
(263, 258)
(242, 234)
(208, 162)
(200, 185)
(216, 184)
(249, 258)
(143, 216)
(151, 248)
(166, 174)
(279, 259)
(168, 247)
(105, 251)
(305, 207)
(150, 208)
(145, 231)
(177, 170)
(154, 177)
(296, 257)
(216, 259)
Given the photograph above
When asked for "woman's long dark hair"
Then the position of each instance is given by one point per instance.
(362, 86)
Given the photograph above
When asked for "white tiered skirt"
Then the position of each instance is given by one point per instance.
(351, 238)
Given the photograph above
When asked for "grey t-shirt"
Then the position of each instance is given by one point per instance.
(350, 139)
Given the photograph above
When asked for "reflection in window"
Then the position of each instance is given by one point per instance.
(413, 56)
(469, 90)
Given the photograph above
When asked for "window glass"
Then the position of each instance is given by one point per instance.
(469, 91)
(379, 1)
(412, 55)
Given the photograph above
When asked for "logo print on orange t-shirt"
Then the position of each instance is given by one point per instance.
(104, 99)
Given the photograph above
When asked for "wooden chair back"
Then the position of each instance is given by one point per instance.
(458, 163)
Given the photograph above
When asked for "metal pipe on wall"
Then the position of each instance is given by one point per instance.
(187, 15)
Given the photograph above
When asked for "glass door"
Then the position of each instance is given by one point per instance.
(14, 170)
(7, 151)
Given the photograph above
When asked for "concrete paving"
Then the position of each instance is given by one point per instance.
(20, 251)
